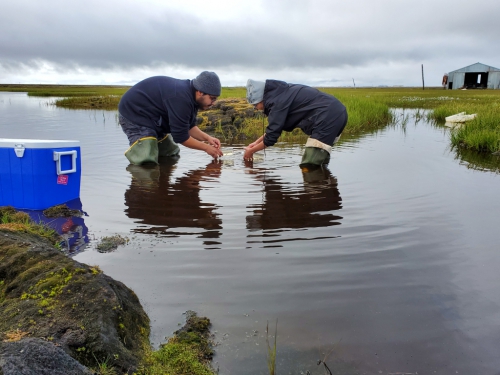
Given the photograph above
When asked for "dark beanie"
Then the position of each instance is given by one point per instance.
(208, 83)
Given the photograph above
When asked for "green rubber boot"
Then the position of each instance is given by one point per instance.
(167, 147)
(145, 150)
(314, 156)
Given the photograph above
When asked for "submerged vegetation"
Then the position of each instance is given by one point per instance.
(17, 221)
(368, 108)
(110, 243)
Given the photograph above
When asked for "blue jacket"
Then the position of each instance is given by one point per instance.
(162, 103)
(289, 106)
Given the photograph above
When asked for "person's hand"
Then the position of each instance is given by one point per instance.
(213, 142)
(213, 151)
(248, 155)
(253, 144)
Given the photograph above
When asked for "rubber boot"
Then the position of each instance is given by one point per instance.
(144, 150)
(314, 156)
(167, 147)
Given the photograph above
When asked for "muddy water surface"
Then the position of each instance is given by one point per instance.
(385, 262)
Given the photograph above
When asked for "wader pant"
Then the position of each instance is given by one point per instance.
(146, 145)
(319, 144)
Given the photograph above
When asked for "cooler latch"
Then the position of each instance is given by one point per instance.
(19, 150)
(57, 159)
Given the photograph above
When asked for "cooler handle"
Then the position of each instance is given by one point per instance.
(57, 159)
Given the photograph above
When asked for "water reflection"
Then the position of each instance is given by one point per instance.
(309, 206)
(484, 161)
(164, 203)
(71, 228)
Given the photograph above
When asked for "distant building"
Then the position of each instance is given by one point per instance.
(475, 76)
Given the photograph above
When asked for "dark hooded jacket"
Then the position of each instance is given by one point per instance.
(289, 106)
(164, 104)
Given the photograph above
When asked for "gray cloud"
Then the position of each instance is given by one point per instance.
(279, 34)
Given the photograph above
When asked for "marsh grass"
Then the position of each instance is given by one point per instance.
(175, 358)
(90, 102)
(65, 90)
(18, 221)
(271, 350)
(188, 352)
(253, 128)
(481, 134)
(104, 368)
(233, 92)
(368, 108)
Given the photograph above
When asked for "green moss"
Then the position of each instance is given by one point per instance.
(187, 352)
(61, 210)
(17, 221)
(111, 243)
(41, 290)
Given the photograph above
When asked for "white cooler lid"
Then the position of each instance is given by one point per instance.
(38, 143)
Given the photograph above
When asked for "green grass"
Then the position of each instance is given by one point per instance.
(481, 134)
(18, 221)
(233, 92)
(188, 352)
(65, 90)
(368, 108)
(271, 350)
(175, 358)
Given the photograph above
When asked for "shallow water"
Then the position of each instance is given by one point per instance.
(386, 262)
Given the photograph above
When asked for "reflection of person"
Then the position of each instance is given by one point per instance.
(307, 207)
(289, 106)
(444, 83)
(73, 236)
(159, 112)
(156, 199)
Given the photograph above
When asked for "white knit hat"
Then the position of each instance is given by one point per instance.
(255, 91)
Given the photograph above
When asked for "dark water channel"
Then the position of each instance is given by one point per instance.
(388, 260)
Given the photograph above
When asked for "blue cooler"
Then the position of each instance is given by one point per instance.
(37, 174)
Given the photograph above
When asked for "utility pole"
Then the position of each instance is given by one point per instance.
(423, 84)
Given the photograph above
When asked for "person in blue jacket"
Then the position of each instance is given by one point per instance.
(289, 106)
(159, 112)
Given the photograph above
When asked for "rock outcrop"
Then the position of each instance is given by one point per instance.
(67, 307)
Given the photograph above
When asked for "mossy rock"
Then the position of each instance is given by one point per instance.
(196, 331)
(62, 210)
(50, 296)
(226, 112)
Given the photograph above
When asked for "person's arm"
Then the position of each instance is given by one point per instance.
(195, 144)
(200, 135)
(258, 145)
(260, 139)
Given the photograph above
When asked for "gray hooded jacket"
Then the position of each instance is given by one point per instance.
(290, 106)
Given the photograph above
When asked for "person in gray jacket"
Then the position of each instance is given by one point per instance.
(159, 112)
(289, 106)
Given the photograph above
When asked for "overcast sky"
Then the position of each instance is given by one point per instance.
(315, 42)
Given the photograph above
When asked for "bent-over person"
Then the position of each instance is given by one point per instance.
(289, 106)
(159, 112)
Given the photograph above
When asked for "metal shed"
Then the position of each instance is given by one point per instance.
(475, 76)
